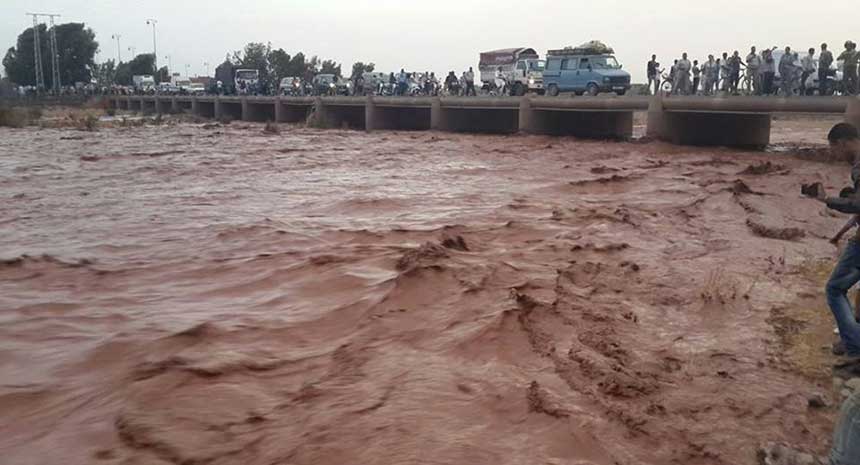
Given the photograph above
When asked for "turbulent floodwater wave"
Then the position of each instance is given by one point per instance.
(212, 295)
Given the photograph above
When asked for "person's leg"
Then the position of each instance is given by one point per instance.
(822, 82)
(846, 435)
(845, 275)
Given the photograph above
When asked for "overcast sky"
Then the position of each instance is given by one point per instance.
(441, 35)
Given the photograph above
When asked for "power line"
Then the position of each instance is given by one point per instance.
(55, 55)
(37, 53)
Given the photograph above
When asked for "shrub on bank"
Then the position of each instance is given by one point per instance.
(12, 117)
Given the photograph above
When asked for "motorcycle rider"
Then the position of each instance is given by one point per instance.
(500, 82)
(825, 60)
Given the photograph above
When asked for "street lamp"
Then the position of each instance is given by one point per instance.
(187, 72)
(153, 22)
(206, 65)
(118, 53)
(169, 64)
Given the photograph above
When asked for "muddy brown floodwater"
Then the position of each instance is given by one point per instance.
(212, 295)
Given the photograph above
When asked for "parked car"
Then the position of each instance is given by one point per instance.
(290, 86)
(587, 69)
(168, 88)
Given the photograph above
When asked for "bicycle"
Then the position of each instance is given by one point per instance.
(668, 83)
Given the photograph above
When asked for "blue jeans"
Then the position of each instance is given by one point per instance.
(846, 436)
(845, 275)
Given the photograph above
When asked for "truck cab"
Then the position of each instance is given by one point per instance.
(584, 72)
(521, 67)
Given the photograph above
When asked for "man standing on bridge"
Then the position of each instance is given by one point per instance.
(682, 76)
(850, 57)
(653, 71)
(808, 65)
(824, 63)
(734, 72)
(754, 71)
(710, 69)
(470, 82)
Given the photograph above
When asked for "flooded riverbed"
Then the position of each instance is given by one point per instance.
(211, 294)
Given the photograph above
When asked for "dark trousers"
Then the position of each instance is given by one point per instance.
(803, 78)
(822, 81)
(696, 81)
(767, 85)
(850, 79)
(470, 88)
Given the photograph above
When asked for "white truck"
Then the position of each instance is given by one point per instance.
(247, 81)
(521, 68)
(144, 83)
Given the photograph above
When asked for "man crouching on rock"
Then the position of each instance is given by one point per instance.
(844, 144)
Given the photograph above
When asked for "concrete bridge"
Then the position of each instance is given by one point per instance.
(732, 121)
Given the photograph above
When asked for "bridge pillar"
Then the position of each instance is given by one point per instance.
(159, 105)
(369, 114)
(246, 110)
(656, 125)
(174, 105)
(195, 106)
(526, 116)
(708, 128)
(219, 111)
(852, 112)
(279, 110)
(437, 118)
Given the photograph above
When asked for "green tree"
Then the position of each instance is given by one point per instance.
(143, 64)
(279, 64)
(76, 47)
(224, 73)
(104, 73)
(255, 55)
(297, 66)
(330, 67)
(123, 74)
(359, 68)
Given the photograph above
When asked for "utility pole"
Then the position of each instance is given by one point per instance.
(153, 22)
(133, 51)
(37, 53)
(187, 71)
(118, 49)
(206, 65)
(55, 55)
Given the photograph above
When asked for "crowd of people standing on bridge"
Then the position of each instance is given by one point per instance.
(771, 72)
